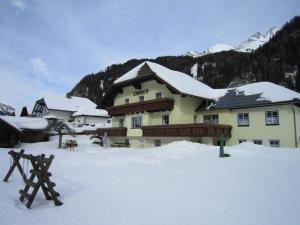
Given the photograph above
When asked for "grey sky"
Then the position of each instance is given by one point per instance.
(48, 46)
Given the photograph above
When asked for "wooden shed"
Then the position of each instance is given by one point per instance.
(14, 130)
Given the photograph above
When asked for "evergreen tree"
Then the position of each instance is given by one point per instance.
(24, 112)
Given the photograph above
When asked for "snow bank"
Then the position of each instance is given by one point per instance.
(180, 183)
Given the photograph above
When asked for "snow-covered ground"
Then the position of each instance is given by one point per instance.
(181, 183)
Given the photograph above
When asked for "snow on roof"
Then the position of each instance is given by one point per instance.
(26, 123)
(188, 85)
(91, 112)
(269, 91)
(59, 102)
(181, 81)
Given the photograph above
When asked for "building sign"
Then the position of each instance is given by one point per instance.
(140, 92)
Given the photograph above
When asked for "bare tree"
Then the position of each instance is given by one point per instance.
(60, 127)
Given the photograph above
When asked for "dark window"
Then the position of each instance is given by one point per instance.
(126, 141)
(243, 119)
(241, 141)
(141, 98)
(257, 142)
(157, 143)
(158, 95)
(272, 118)
(136, 122)
(126, 100)
(211, 119)
(121, 122)
(275, 143)
(165, 119)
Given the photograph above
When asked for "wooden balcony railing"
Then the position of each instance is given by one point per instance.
(154, 105)
(187, 130)
(112, 131)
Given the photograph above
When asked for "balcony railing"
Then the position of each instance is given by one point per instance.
(113, 131)
(154, 105)
(187, 130)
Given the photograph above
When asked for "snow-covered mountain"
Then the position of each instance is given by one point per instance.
(6, 110)
(249, 45)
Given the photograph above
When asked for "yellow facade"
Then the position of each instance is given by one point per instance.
(184, 113)
(257, 129)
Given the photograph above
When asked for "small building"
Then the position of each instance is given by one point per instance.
(91, 116)
(72, 109)
(14, 130)
(154, 105)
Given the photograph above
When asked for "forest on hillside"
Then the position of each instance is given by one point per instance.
(277, 61)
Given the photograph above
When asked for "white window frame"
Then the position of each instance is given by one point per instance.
(156, 95)
(141, 98)
(272, 145)
(243, 122)
(270, 119)
(136, 122)
(240, 141)
(211, 119)
(162, 119)
(255, 140)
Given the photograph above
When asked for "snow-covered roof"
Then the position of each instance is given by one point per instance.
(255, 94)
(59, 102)
(91, 112)
(180, 81)
(269, 91)
(25, 123)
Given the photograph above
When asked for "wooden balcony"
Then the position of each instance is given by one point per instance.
(112, 131)
(154, 105)
(187, 130)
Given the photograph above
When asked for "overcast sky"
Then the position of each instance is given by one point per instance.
(48, 45)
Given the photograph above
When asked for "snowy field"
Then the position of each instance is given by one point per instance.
(181, 183)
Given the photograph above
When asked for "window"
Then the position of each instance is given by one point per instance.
(212, 119)
(240, 141)
(126, 100)
(136, 122)
(121, 122)
(165, 119)
(158, 95)
(141, 98)
(257, 142)
(274, 143)
(243, 119)
(157, 143)
(272, 118)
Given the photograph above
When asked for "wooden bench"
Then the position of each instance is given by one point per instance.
(127, 145)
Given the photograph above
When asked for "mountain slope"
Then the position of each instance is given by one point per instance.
(6, 110)
(251, 44)
(277, 61)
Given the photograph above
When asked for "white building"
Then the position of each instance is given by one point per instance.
(73, 109)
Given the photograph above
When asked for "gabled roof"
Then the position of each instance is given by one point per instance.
(179, 81)
(73, 104)
(25, 123)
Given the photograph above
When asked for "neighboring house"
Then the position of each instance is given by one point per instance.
(14, 130)
(154, 105)
(91, 116)
(69, 109)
